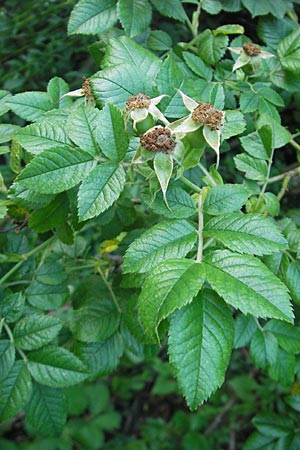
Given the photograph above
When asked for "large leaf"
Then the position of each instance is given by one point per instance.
(251, 233)
(36, 330)
(46, 296)
(255, 169)
(166, 240)
(95, 321)
(30, 105)
(134, 15)
(169, 286)
(56, 170)
(200, 343)
(81, 127)
(225, 198)
(92, 17)
(7, 357)
(289, 51)
(46, 411)
(41, 136)
(14, 391)
(263, 7)
(247, 284)
(112, 135)
(100, 190)
(56, 367)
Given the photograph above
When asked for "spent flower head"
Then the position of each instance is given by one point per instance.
(249, 53)
(139, 106)
(84, 91)
(158, 139)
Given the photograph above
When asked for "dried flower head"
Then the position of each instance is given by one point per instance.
(251, 49)
(139, 106)
(138, 101)
(85, 90)
(158, 139)
(206, 114)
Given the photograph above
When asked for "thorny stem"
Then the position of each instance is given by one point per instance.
(200, 228)
(206, 172)
(25, 256)
(190, 184)
(109, 288)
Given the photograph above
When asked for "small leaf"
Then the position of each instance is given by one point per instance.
(263, 349)
(254, 146)
(112, 135)
(197, 65)
(12, 306)
(45, 296)
(225, 198)
(289, 51)
(234, 124)
(287, 335)
(46, 411)
(56, 170)
(7, 131)
(283, 370)
(166, 240)
(81, 127)
(35, 330)
(255, 169)
(56, 89)
(200, 343)
(273, 424)
(181, 204)
(245, 327)
(14, 391)
(134, 15)
(292, 280)
(212, 47)
(170, 8)
(50, 216)
(163, 167)
(92, 17)
(100, 190)
(56, 367)
(179, 280)
(7, 358)
(159, 40)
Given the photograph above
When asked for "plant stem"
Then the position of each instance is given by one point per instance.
(290, 173)
(190, 184)
(25, 256)
(200, 228)
(206, 172)
(259, 325)
(295, 144)
(266, 180)
(110, 289)
(8, 331)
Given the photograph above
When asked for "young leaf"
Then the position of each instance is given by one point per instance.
(225, 198)
(41, 136)
(263, 349)
(249, 233)
(166, 240)
(111, 134)
(163, 167)
(56, 170)
(92, 17)
(46, 411)
(134, 15)
(179, 280)
(7, 357)
(100, 190)
(81, 128)
(14, 391)
(35, 330)
(56, 367)
(56, 89)
(245, 283)
(200, 343)
(30, 106)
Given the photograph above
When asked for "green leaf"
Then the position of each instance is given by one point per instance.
(224, 199)
(14, 391)
(134, 15)
(163, 167)
(101, 358)
(159, 40)
(212, 47)
(253, 145)
(30, 106)
(56, 367)
(181, 204)
(81, 127)
(245, 283)
(245, 327)
(269, 94)
(112, 135)
(7, 131)
(95, 321)
(170, 8)
(92, 17)
(51, 273)
(255, 169)
(4, 96)
(50, 216)
(46, 411)
(263, 349)
(7, 358)
(36, 330)
(179, 280)
(56, 89)
(45, 296)
(234, 124)
(288, 336)
(251, 233)
(284, 368)
(292, 280)
(56, 170)
(100, 190)
(166, 240)
(44, 135)
(264, 7)
(249, 101)
(258, 441)
(273, 424)
(229, 29)
(281, 135)
(197, 65)
(211, 6)
(12, 306)
(289, 51)
(200, 343)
